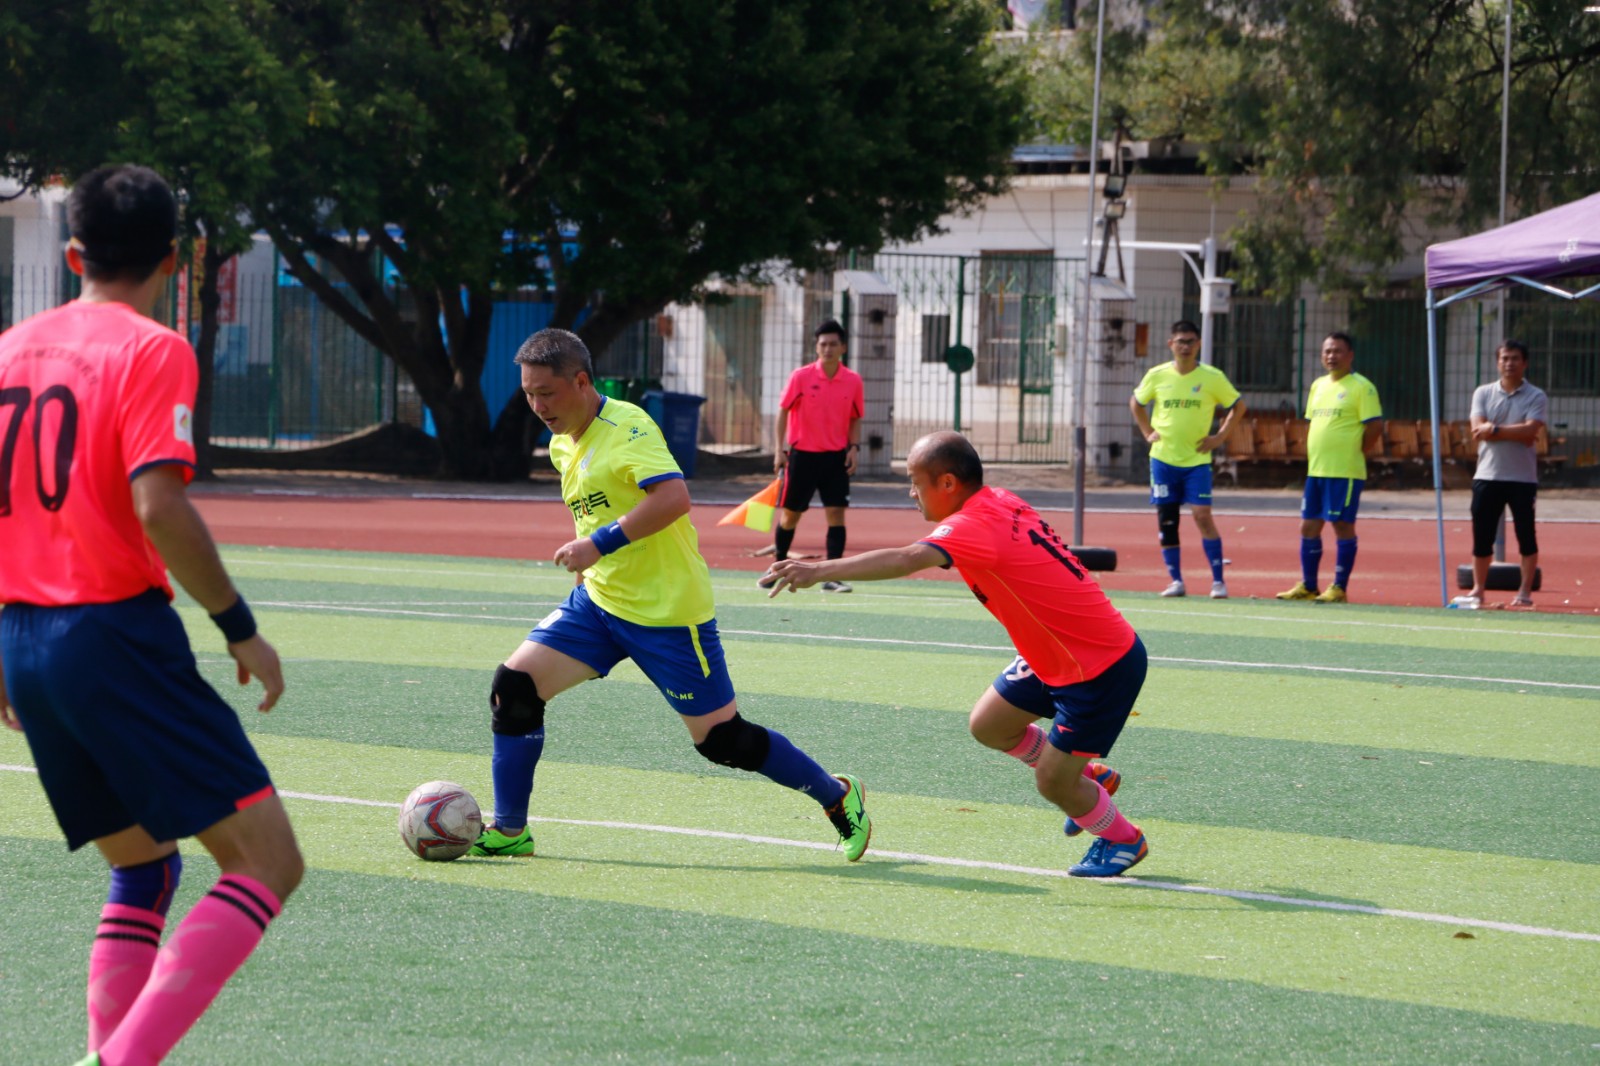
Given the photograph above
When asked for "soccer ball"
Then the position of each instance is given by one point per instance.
(439, 821)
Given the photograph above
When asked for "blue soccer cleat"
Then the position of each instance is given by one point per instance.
(1105, 859)
(1109, 780)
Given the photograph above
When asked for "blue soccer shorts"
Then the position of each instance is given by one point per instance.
(1332, 499)
(1089, 715)
(1180, 484)
(123, 729)
(684, 662)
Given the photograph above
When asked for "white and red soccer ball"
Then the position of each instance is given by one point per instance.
(439, 821)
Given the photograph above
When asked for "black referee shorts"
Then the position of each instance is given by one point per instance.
(1489, 501)
(808, 473)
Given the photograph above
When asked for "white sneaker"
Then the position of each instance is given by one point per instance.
(835, 586)
(1175, 589)
(1219, 590)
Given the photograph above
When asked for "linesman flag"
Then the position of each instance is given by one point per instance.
(756, 512)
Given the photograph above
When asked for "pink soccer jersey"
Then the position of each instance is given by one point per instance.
(1056, 614)
(91, 395)
(821, 408)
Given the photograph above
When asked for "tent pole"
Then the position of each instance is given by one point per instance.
(1438, 464)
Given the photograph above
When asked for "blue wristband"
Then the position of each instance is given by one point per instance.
(609, 538)
(236, 623)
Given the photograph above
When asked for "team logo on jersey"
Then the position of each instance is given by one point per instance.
(584, 465)
(183, 423)
(942, 531)
(1341, 394)
(587, 505)
(1196, 388)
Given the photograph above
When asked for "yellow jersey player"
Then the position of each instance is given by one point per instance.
(1183, 397)
(1346, 419)
(643, 593)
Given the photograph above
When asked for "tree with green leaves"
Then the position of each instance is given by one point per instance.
(1352, 115)
(679, 139)
(450, 145)
(187, 87)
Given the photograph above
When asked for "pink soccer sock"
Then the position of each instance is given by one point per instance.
(1032, 746)
(211, 942)
(124, 949)
(1104, 820)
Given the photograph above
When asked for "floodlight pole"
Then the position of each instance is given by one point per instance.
(1505, 153)
(1080, 378)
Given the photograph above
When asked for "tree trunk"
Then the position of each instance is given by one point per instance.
(461, 419)
(205, 351)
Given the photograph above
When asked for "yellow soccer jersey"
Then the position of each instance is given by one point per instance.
(1183, 406)
(1336, 410)
(659, 580)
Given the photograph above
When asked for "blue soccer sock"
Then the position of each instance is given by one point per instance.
(793, 768)
(1344, 560)
(1310, 560)
(1213, 549)
(1173, 558)
(148, 886)
(515, 758)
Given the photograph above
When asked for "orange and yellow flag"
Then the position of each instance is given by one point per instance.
(756, 512)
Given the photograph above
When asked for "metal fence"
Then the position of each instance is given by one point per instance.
(1271, 351)
(290, 374)
(1012, 312)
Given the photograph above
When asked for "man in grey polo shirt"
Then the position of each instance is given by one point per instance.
(1507, 416)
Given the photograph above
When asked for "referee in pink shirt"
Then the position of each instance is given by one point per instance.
(817, 440)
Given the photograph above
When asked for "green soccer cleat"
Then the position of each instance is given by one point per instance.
(1332, 594)
(492, 842)
(92, 1060)
(1299, 592)
(849, 817)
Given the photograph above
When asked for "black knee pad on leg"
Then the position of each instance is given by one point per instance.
(1167, 522)
(736, 743)
(514, 704)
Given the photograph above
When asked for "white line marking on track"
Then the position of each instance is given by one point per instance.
(1000, 867)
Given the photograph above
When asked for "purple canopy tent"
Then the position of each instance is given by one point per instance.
(1563, 242)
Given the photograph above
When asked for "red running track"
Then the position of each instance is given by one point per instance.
(1397, 564)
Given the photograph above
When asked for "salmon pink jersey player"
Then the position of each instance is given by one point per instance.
(1080, 665)
(133, 748)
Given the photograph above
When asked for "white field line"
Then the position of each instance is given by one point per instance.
(962, 600)
(898, 505)
(1004, 649)
(1004, 867)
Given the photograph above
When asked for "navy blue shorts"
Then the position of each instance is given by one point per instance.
(1180, 484)
(684, 662)
(1332, 499)
(1089, 715)
(123, 728)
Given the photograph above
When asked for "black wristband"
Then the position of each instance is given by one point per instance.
(236, 623)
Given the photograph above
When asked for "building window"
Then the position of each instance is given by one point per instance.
(935, 337)
(1016, 318)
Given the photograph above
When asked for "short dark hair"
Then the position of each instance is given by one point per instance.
(1345, 338)
(831, 326)
(948, 452)
(1514, 346)
(561, 350)
(1183, 325)
(123, 221)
